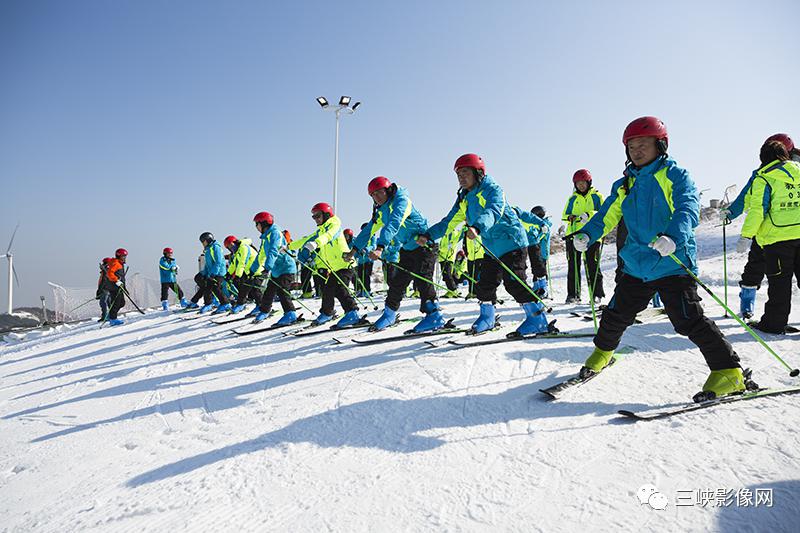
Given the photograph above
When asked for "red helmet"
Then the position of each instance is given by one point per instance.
(264, 218)
(376, 184)
(783, 139)
(645, 127)
(229, 240)
(121, 252)
(167, 251)
(582, 175)
(470, 160)
(322, 207)
(348, 232)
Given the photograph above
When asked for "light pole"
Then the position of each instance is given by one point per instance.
(342, 107)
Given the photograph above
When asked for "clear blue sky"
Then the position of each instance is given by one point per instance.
(143, 123)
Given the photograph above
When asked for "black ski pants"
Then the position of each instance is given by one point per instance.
(447, 275)
(492, 273)
(336, 288)
(682, 304)
(420, 261)
(782, 261)
(165, 288)
(363, 277)
(279, 286)
(575, 265)
(208, 286)
(755, 268)
(538, 265)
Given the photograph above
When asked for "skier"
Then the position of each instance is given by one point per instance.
(326, 246)
(537, 228)
(584, 202)
(394, 218)
(448, 248)
(481, 205)
(276, 268)
(102, 294)
(773, 221)
(168, 271)
(211, 276)
(753, 273)
(247, 284)
(114, 283)
(661, 206)
(364, 266)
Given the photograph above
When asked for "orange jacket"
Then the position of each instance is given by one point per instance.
(115, 270)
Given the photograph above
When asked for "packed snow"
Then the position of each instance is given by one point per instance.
(174, 424)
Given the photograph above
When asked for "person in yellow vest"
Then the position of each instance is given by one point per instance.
(247, 284)
(448, 248)
(774, 222)
(327, 246)
(584, 202)
(475, 255)
(460, 267)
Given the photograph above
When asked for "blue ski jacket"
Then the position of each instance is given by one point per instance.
(215, 260)
(658, 199)
(485, 209)
(270, 258)
(167, 270)
(400, 221)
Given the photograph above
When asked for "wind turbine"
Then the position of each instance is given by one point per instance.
(11, 271)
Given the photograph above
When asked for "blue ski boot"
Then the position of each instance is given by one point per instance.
(540, 287)
(255, 312)
(165, 305)
(115, 322)
(289, 317)
(214, 301)
(747, 301)
(535, 319)
(192, 305)
(485, 320)
(349, 319)
(321, 319)
(222, 309)
(433, 318)
(237, 309)
(387, 318)
(184, 303)
(261, 317)
(206, 308)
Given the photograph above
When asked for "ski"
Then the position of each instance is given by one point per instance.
(363, 323)
(556, 390)
(268, 328)
(657, 413)
(515, 338)
(448, 329)
(227, 319)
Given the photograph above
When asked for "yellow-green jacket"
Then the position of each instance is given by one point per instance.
(774, 204)
(579, 204)
(242, 259)
(331, 244)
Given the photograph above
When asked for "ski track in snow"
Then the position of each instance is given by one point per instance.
(170, 423)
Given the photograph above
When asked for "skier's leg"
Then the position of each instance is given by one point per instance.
(780, 262)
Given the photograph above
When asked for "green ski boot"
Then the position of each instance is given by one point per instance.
(722, 383)
(596, 362)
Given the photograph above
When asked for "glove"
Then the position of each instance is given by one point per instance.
(663, 245)
(304, 255)
(118, 283)
(175, 269)
(743, 244)
(311, 246)
(584, 218)
(472, 233)
(545, 229)
(580, 241)
(724, 215)
(348, 256)
(97, 295)
(562, 231)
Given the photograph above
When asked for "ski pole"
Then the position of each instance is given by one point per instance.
(793, 372)
(527, 287)
(591, 291)
(421, 278)
(264, 288)
(342, 283)
(366, 292)
(124, 290)
(87, 302)
(725, 265)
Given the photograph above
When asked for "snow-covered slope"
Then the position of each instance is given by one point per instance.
(171, 424)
